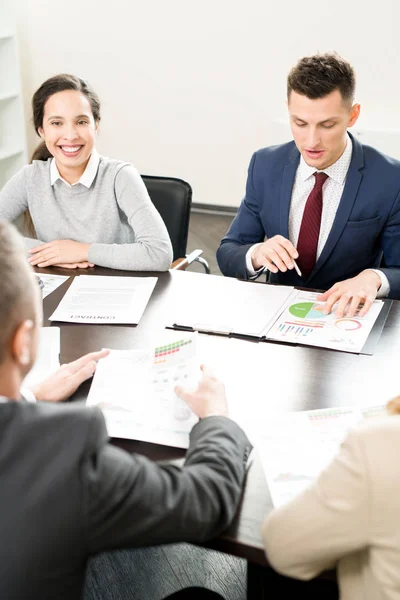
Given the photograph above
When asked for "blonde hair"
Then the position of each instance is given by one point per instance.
(393, 406)
(16, 300)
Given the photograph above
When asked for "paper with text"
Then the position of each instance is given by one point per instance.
(102, 299)
(51, 282)
(303, 322)
(247, 308)
(135, 391)
(294, 448)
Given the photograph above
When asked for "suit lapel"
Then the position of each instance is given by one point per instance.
(289, 173)
(353, 180)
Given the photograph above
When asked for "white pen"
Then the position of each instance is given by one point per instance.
(296, 266)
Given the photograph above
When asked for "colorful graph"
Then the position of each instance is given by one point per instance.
(301, 310)
(162, 353)
(316, 416)
(348, 324)
(374, 411)
(291, 329)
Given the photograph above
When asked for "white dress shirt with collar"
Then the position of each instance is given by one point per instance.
(332, 193)
(26, 394)
(87, 176)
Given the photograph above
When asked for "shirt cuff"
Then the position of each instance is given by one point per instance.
(385, 285)
(27, 395)
(249, 265)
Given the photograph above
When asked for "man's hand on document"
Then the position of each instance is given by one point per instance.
(209, 399)
(66, 380)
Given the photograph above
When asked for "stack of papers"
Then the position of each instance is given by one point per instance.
(135, 391)
(102, 299)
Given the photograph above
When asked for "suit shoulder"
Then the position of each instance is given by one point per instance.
(276, 154)
(377, 428)
(374, 157)
(378, 439)
(63, 422)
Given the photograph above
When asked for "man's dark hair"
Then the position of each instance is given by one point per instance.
(319, 75)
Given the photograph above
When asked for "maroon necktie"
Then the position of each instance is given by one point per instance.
(307, 243)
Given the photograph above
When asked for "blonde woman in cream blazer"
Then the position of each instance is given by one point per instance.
(349, 518)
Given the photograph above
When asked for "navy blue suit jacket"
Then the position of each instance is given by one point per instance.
(367, 221)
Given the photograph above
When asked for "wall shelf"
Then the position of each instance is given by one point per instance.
(8, 95)
(12, 120)
(6, 154)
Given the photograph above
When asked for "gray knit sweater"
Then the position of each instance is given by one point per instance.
(115, 215)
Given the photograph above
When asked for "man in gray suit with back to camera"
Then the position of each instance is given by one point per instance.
(66, 493)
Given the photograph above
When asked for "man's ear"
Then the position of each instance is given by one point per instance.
(354, 114)
(22, 344)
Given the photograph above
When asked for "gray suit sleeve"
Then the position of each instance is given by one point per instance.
(152, 249)
(131, 501)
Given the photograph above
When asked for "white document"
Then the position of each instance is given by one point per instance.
(247, 309)
(102, 299)
(303, 322)
(48, 358)
(51, 282)
(135, 391)
(294, 448)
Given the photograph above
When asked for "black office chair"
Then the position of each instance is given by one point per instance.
(172, 198)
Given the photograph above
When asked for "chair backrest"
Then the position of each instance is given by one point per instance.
(172, 198)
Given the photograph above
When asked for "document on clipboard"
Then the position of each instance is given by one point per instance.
(264, 312)
(249, 312)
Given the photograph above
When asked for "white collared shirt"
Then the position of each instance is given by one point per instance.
(332, 193)
(87, 176)
(26, 394)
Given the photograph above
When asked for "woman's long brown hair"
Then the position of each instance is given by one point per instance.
(58, 83)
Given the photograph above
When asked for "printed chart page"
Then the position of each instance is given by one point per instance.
(247, 308)
(101, 299)
(294, 448)
(303, 322)
(135, 391)
(48, 357)
(51, 282)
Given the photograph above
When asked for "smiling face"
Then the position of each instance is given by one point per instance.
(69, 131)
(319, 126)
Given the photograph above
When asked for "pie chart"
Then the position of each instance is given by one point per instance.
(348, 324)
(308, 310)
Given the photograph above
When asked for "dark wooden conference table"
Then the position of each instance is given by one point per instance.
(293, 377)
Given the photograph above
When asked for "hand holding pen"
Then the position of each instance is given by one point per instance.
(275, 254)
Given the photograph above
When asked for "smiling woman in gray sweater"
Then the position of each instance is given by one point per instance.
(85, 209)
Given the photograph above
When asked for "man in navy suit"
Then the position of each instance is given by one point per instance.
(324, 200)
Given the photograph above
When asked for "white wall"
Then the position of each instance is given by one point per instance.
(192, 88)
